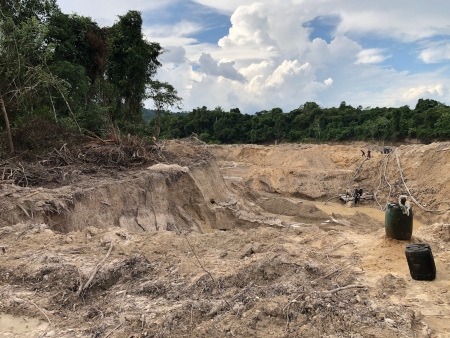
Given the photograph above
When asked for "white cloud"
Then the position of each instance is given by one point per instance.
(249, 32)
(182, 28)
(421, 91)
(173, 54)
(288, 70)
(372, 55)
(436, 52)
(228, 6)
(226, 69)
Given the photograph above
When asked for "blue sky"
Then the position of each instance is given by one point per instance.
(258, 55)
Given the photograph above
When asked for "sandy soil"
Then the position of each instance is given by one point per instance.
(228, 241)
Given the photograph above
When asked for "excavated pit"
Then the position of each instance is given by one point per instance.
(139, 253)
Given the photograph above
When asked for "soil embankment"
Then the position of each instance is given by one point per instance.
(223, 241)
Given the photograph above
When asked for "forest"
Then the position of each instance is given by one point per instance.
(64, 75)
(428, 121)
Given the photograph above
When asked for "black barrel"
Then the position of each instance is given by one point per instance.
(420, 261)
(397, 224)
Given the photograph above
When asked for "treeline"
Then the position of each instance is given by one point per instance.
(67, 70)
(428, 121)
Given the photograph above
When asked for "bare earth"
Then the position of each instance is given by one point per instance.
(228, 241)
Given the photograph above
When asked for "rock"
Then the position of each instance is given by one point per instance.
(389, 321)
(247, 251)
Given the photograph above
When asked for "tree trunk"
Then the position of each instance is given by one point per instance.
(8, 128)
(158, 124)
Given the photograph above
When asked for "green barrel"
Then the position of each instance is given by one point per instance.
(398, 225)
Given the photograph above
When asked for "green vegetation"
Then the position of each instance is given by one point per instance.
(68, 74)
(66, 70)
(428, 121)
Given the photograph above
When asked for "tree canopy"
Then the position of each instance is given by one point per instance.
(67, 69)
(428, 121)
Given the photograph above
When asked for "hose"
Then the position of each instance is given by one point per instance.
(332, 198)
(356, 173)
(385, 162)
(409, 193)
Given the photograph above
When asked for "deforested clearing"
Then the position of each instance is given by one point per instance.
(224, 241)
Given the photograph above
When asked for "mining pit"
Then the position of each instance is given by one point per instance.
(225, 241)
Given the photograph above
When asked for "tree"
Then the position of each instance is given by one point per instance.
(132, 62)
(164, 95)
(79, 58)
(425, 104)
(23, 65)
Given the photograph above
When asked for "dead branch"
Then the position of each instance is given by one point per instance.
(24, 174)
(99, 265)
(351, 286)
(29, 195)
(113, 330)
(40, 309)
(23, 210)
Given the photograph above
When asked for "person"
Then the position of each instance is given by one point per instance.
(404, 204)
(356, 196)
(368, 153)
(363, 153)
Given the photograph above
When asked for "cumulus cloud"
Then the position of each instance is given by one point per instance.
(249, 36)
(226, 69)
(287, 71)
(421, 91)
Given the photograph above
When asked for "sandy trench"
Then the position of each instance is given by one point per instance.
(240, 245)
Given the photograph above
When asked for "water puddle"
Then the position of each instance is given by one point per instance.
(21, 325)
(342, 209)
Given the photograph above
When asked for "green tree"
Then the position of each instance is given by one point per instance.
(79, 58)
(443, 124)
(164, 95)
(25, 77)
(132, 62)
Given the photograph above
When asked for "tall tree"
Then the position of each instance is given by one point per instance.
(23, 56)
(132, 62)
(79, 58)
(164, 95)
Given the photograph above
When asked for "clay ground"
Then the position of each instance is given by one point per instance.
(227, 241)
